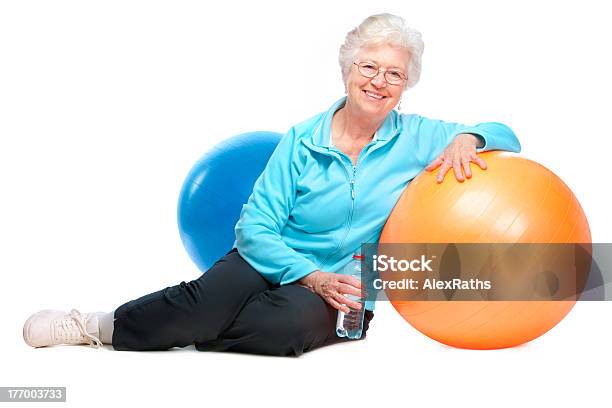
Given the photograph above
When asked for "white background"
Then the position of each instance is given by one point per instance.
(105, 106)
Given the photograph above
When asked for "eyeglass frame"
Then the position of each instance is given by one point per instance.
(403, 76)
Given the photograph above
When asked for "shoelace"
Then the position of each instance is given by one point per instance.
(80, 323)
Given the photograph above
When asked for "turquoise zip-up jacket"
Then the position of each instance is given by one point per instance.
(311, 208)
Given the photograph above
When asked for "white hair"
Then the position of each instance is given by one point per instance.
(381, 29)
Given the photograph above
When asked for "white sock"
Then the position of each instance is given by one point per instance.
(106, 326)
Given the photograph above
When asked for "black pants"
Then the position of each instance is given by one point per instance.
(230, 307)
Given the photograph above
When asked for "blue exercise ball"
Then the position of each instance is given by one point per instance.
(215, 190)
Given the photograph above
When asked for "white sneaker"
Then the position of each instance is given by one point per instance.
(52, 327)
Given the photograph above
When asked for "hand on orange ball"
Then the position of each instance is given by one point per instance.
(458, 155)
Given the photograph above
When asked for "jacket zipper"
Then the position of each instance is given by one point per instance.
(338, 155)
(351, 178)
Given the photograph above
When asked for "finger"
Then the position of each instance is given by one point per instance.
(466, 167)
(443, 170)
(480, 162)
(337, 305)
(350, 280)
(346, 301)
(435, 164)
(354, 283)
(349, 290)
(457, 170)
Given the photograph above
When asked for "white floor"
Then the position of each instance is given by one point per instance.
(395, 364)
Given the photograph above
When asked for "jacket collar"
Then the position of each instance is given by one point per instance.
(322, 132)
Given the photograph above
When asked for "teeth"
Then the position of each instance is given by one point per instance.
(373, 95)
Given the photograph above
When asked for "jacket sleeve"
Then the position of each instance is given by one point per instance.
(263, 217)
(434, 135)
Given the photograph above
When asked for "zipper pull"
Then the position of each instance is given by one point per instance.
(353, 182)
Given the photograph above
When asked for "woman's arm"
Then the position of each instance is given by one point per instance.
(438, 135)
(453, 145)
(263, 217)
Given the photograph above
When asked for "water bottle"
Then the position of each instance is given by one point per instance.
(351, 324)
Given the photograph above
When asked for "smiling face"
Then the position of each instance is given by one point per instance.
(374, 96)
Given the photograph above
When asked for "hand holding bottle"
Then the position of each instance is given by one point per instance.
(333, 287)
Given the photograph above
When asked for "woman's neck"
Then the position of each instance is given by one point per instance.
(354, 125)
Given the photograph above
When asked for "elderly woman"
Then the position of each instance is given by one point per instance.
(329, 187)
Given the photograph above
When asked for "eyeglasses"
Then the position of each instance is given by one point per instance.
(370, 70)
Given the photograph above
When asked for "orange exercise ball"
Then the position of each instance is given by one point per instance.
(514, 201)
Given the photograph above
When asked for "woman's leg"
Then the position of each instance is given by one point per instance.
(188, 313)
(283, 321)
(106, 327)
(176, 316)
(230, 307)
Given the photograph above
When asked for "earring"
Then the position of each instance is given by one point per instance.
(399, 105)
